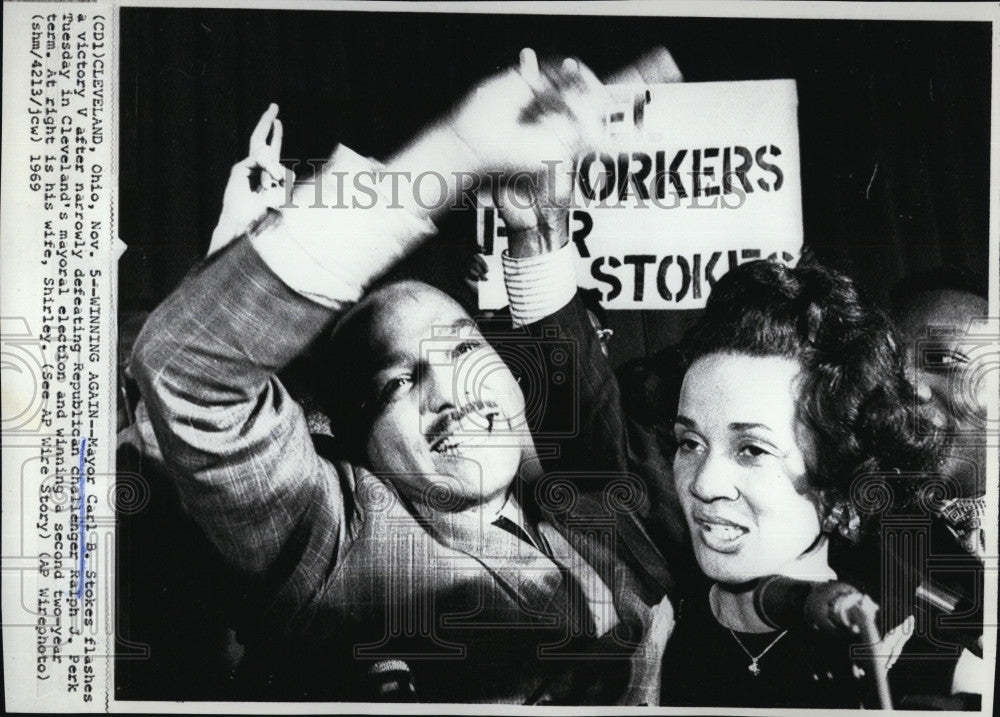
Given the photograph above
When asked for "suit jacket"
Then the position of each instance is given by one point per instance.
(344, 574)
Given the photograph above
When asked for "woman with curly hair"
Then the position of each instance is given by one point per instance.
(794, 405)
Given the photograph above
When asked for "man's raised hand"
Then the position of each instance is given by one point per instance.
(256, 183)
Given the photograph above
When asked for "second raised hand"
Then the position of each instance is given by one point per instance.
(534, 208)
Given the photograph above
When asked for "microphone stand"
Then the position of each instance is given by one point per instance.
(865, 619)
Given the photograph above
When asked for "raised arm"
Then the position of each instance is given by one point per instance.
(207, 358)
(580, 416)
(539, 273)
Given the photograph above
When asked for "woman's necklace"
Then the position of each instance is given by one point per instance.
(754, 659)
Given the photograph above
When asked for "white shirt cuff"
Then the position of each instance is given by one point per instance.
(332, 252)
(538, 286)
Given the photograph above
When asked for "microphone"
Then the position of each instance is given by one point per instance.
(391, 681)
(832, 606)
(943, 602)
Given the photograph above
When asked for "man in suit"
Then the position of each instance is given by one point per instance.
(425, 537)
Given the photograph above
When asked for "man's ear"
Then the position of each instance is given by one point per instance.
(530, 469)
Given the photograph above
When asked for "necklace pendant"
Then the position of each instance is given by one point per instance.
(753, 666)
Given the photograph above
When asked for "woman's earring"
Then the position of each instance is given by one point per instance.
(843, 517)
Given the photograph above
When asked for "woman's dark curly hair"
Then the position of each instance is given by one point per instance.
(853, 394)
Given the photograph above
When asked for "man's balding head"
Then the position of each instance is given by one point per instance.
(420, 397)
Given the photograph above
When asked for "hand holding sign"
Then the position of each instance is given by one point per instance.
(534, 210)
(514, 120)
(535, 205)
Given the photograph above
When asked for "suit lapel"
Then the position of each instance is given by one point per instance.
(529, 577)
(644, 552)
(591, 518)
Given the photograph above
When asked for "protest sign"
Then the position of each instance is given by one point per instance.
(701, 178)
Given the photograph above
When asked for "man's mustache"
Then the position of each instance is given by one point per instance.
(448, 421)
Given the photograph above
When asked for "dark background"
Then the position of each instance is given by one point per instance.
(910, 98)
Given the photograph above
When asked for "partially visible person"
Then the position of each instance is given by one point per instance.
(950, 346)
(941, 316)
(793, 408)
